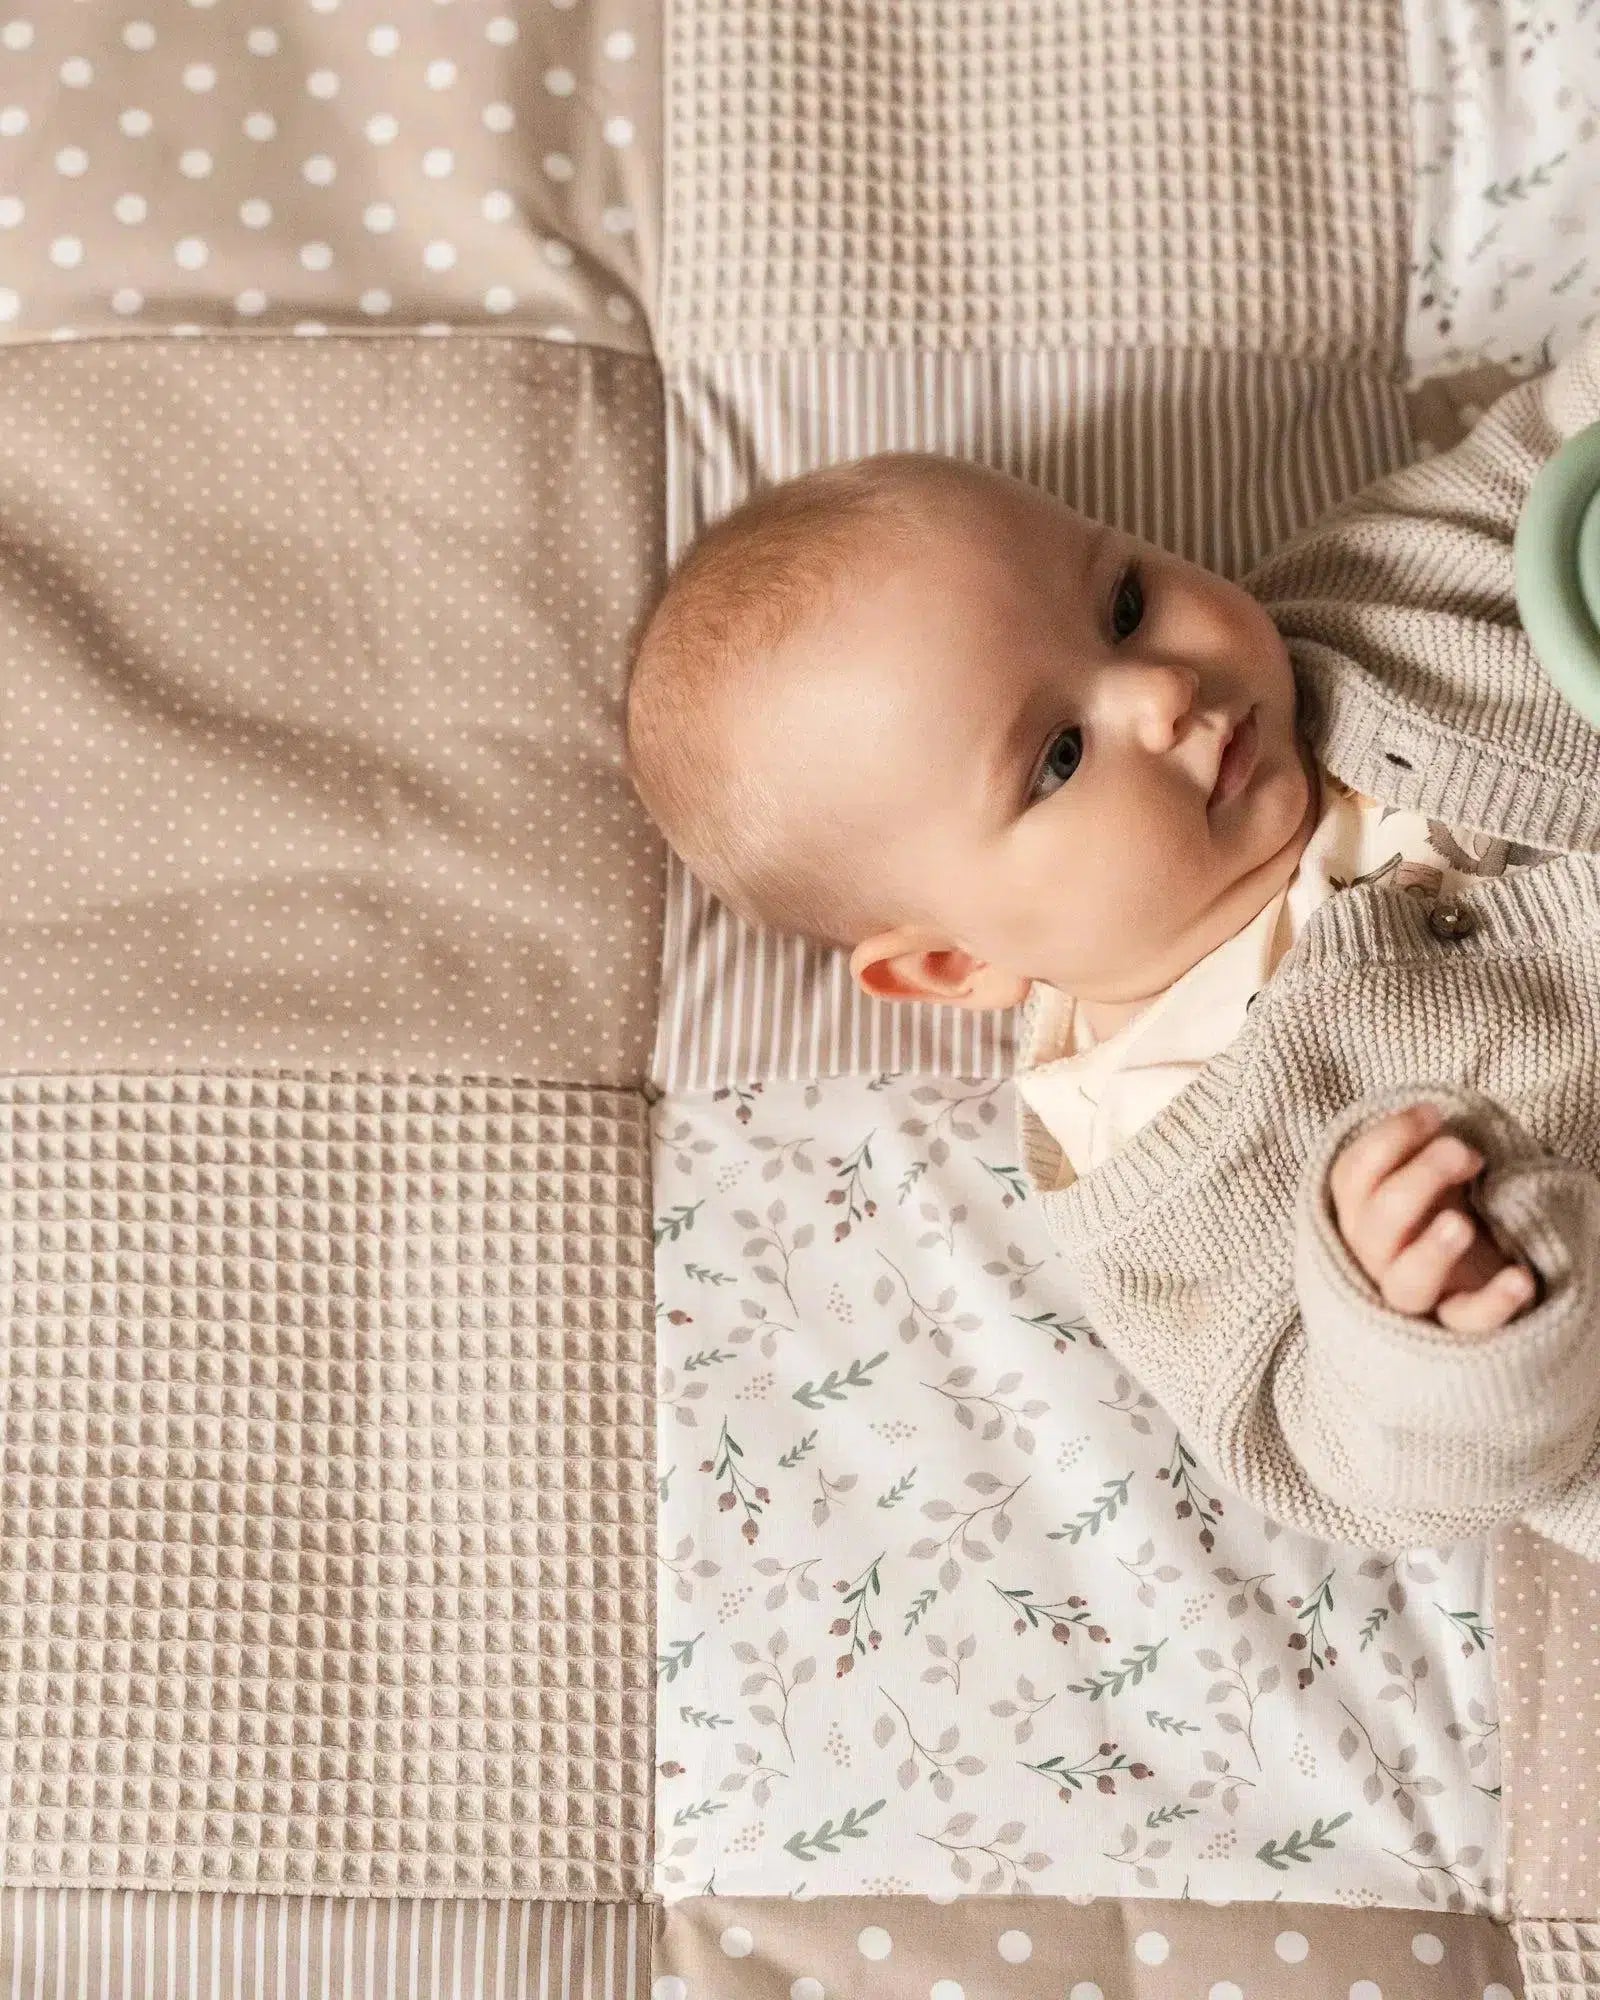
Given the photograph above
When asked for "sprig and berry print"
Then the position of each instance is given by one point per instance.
(1505, 117)
(944, 1596)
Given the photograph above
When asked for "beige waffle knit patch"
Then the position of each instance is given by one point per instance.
(1560, 1961)
(326, 1494)
(903, 173)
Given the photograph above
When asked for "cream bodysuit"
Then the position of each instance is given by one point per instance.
(1092, 1095)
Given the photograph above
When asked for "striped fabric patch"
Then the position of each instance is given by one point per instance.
(1217, 456)
(117, 1944)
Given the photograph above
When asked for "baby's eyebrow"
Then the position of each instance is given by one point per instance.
(1006, 776)
(1002, 778)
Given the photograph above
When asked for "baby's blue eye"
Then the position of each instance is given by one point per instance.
(1127, 607)
(1061, 758)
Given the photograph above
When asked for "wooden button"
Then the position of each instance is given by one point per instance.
(1449, 921)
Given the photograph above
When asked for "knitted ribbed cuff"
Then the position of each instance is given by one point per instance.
(1411, 1415)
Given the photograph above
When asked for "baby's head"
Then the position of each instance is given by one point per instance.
(922, 711)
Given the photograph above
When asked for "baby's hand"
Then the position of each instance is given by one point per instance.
(1397, 1198)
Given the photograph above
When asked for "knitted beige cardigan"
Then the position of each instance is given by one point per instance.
(1205, 1249)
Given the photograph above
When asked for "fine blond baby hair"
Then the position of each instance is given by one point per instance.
(717, 646)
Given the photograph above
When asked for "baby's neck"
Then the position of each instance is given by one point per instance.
(1104, 1017)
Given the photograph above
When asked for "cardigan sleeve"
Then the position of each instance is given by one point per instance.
(1399, 612)
(1392, 1414)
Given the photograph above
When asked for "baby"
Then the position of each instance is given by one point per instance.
(1297, 881)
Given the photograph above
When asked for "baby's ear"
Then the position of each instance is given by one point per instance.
(911, 964)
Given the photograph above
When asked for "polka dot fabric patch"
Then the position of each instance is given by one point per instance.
(1550, 1725)
(906, 1948)
(314, 659)
(187, 164)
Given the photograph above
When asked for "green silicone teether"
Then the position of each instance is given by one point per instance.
(1557, 556)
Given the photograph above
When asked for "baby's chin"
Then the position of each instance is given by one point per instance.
(1256, 842)
(1262, 847)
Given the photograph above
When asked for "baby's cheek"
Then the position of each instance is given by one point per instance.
(1248, 631)
(1146, 853)
(1114, 884)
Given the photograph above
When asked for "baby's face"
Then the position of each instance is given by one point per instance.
(1037, 709)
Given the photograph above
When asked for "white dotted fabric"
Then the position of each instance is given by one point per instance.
(314, 654)
(1549, 1605)
(1075, 1948)
(325, 1485)
(310, 162)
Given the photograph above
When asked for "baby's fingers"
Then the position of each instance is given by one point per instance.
(1402, 1203)
(1491, 1307)
(1374, 1154)
(1414, 1282)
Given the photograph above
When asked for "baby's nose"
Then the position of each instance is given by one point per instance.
(1164, 694)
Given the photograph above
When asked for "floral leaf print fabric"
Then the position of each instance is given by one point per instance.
(947, 1606)
(1505, 111)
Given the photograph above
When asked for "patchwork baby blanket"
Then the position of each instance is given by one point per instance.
(543, 1449)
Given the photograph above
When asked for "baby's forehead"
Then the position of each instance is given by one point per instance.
(921, 628)
(878, 685)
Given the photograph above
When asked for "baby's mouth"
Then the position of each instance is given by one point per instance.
(1238, 761)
